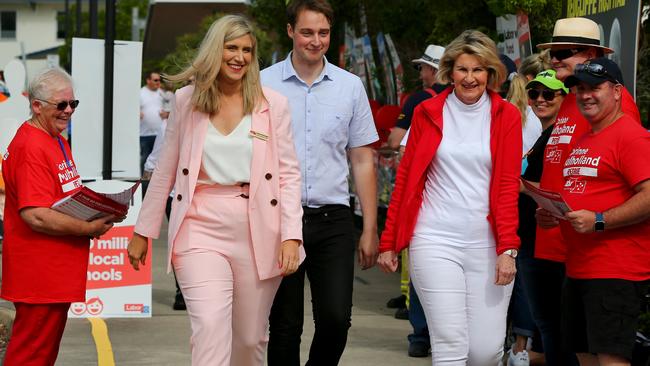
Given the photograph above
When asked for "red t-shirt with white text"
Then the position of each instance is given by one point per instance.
(36, 267)
(600, 173)
(570, 125)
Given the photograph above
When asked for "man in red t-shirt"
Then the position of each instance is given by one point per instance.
(607, 185)
(575, 40)
(45, 252)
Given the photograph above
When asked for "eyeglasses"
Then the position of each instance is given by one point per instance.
(565, 53)
(155, 80)
(596, 70)
(61, 106)
(547, 94)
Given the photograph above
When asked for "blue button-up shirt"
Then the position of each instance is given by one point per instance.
(328, 117)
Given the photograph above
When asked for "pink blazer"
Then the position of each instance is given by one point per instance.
(274, 207)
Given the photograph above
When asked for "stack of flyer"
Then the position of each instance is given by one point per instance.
(550, 201)
(88, 205)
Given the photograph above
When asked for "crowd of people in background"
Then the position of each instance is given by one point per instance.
(251, 169)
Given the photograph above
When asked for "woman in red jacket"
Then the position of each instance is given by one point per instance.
(455, 205)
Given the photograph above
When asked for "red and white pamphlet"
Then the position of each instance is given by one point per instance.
(86, 204)
(550, 201)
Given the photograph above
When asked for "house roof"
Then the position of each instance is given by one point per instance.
(41, 54)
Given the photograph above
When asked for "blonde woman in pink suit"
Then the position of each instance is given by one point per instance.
(235, 226)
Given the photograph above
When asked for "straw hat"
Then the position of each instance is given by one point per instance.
(576, 32)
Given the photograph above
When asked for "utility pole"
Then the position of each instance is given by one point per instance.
(78, 19)
(109, 46)
(67, 20)
(92, 12)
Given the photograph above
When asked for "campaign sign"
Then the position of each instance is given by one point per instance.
(113, 288)
(618, 21)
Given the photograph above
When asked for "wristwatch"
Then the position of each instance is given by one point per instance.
(511, 252)
(599, 225)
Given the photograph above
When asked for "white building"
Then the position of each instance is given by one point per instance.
(30, 27)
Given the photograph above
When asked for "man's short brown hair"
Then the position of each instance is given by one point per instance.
(319, 6)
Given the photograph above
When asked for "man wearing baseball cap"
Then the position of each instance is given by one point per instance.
(607, 185)
(428, 67)
(575, 41)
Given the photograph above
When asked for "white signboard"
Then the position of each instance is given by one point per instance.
(15, 110)
(87, 130)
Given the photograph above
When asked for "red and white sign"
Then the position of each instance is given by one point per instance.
(113, 288)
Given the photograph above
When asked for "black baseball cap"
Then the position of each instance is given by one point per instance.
(595, 72)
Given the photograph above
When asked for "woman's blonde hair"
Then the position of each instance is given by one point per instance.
(530, 66)
(205, 67)
(472, 42)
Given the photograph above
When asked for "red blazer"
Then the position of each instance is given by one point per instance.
(424, 137)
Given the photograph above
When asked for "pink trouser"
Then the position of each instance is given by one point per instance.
(227, 303)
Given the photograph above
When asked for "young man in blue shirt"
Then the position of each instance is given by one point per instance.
(331, 118)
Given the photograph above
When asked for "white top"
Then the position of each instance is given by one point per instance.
(226, 160)
(405, 138)
(151, 103)
(531, 131)
(455, 201)
(152, 159)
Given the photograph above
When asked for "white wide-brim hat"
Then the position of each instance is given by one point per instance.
(576, 32)
(431, 57)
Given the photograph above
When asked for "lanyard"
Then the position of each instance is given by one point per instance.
(68, 162)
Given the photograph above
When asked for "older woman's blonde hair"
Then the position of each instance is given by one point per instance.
(205, 67)
(472, 42)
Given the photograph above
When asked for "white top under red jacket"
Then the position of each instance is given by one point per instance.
(424, 138)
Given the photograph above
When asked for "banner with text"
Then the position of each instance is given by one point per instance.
(618, 21)
(113, 287)
(514, 36)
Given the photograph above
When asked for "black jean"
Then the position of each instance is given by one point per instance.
(543, 280)
(329, 242)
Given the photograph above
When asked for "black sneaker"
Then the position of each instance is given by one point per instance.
(397, 302)
(402, 313)
(418, 349)
(179, 302)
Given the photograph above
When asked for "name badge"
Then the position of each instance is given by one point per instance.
(259, 135)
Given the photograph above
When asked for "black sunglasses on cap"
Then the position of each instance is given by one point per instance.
(547, 94)
(596, 70)
(565, 53)
(61, 106)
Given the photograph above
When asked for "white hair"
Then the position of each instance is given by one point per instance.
(48, 81)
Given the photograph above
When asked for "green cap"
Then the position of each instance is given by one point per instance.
(548, 79)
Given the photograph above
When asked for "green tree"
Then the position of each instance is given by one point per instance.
(414, 23)
(643, 78)
(188, 44)
(123, 22)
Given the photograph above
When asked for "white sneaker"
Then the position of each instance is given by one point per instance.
(518, 359)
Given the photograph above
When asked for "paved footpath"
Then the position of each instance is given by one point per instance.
(376, 338)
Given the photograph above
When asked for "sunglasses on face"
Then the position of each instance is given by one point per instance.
(596, 70)
(565, 53)
(547, 94)
(155, 80)
(61, 106)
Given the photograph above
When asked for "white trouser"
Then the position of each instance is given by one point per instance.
(466, 312)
